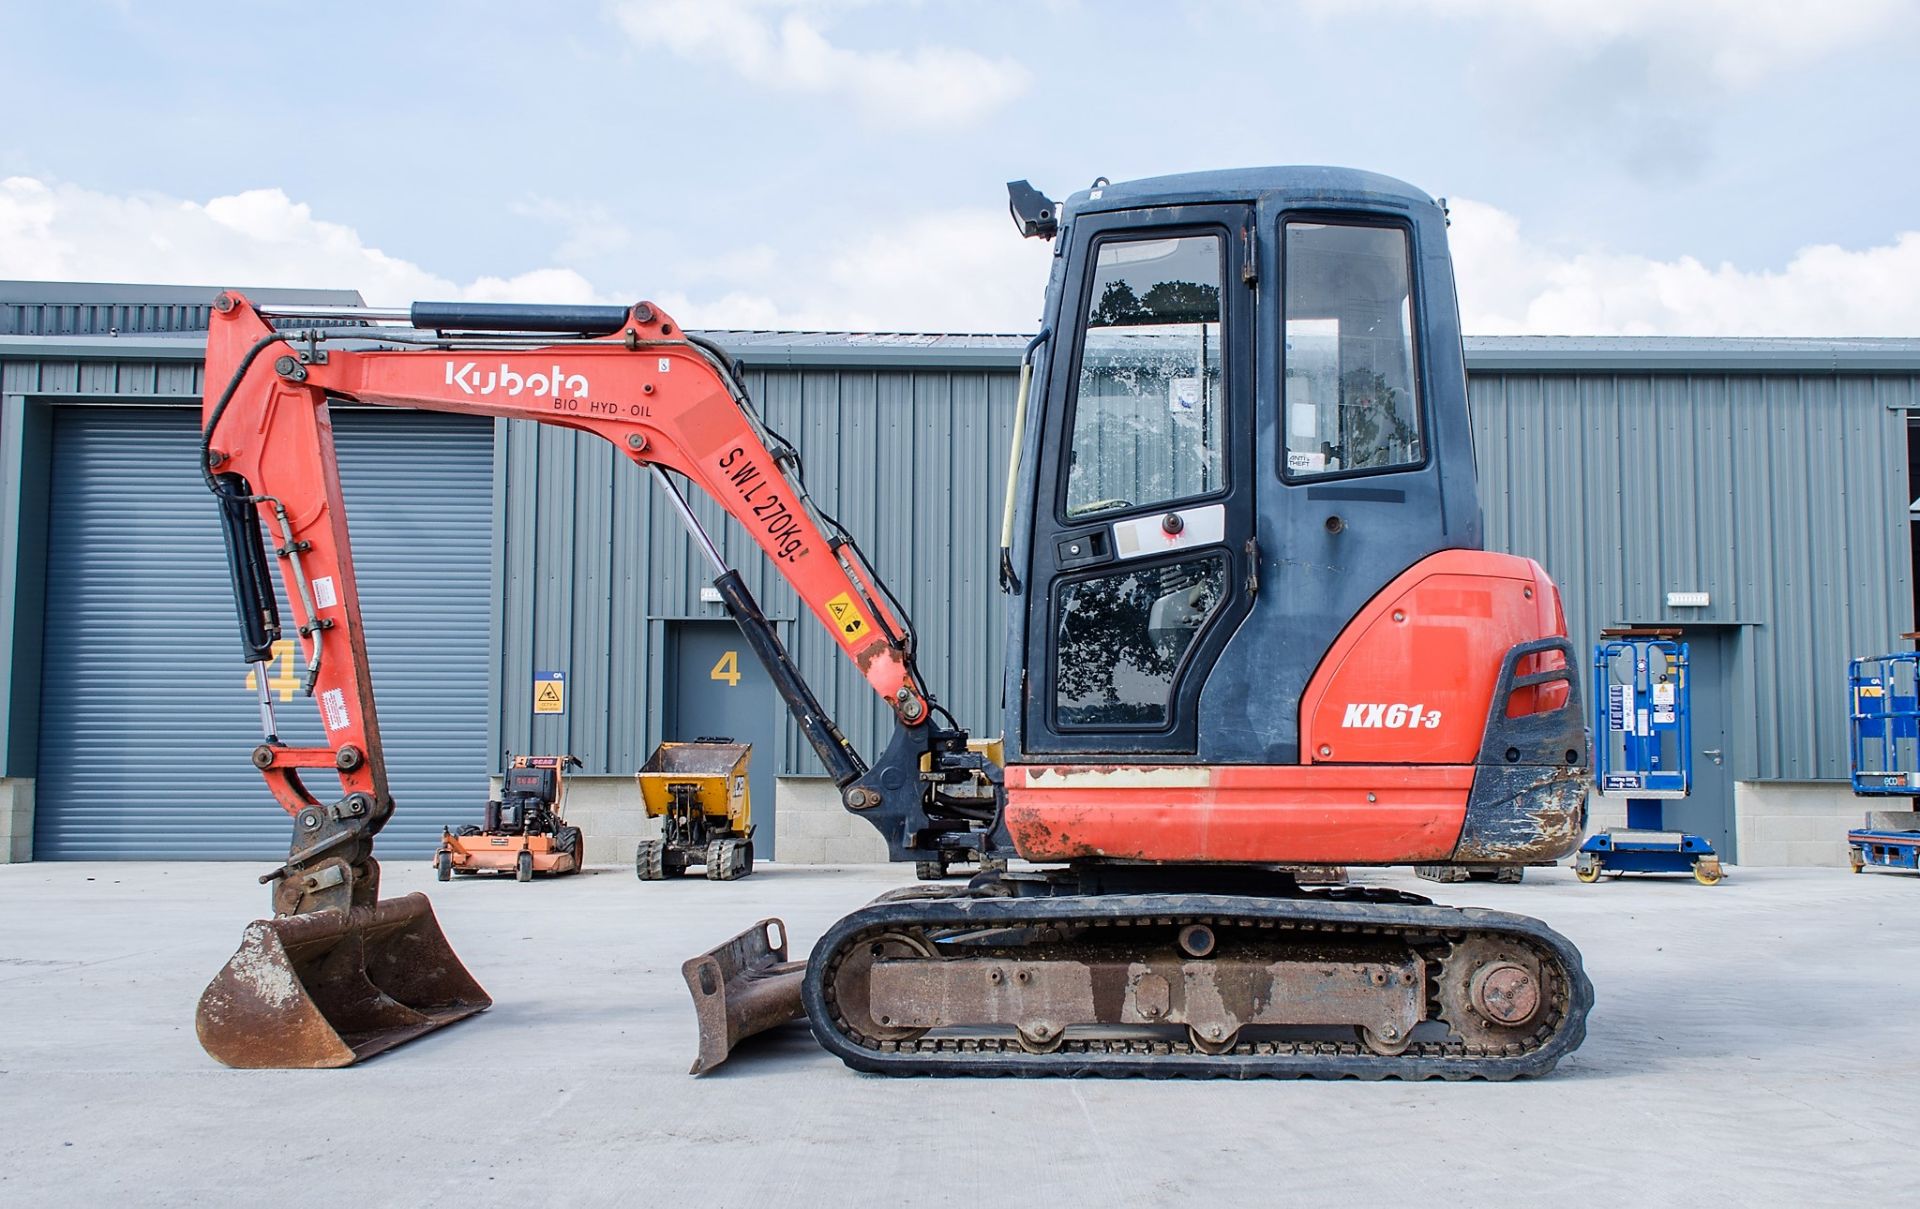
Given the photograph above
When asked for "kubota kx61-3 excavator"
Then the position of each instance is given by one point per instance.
(1250, 624)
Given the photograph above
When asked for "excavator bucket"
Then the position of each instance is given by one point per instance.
(329, 988)
(743, 987)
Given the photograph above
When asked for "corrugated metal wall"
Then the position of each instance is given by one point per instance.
(1782, 492)
(913, 462)
(1783, 496)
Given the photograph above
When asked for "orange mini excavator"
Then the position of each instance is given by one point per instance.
(1250, 625)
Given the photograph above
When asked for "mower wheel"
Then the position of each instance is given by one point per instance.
(523, 867)
(570, 839)
(443, 865)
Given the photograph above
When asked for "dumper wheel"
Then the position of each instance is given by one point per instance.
(523, 867)
(746, 857)
(1511, 877)
(993, 864)
(443, 865)
(648, 861)
(929, 871)
(720, 861)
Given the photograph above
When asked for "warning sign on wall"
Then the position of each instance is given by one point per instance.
(549, 692)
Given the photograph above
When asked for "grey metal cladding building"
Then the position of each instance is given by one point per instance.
(1771, 475)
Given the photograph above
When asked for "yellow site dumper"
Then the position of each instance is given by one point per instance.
(698, 791)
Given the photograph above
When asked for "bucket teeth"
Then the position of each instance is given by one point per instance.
(329, 988)
(742, 987)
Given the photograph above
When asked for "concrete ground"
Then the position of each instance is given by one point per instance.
(1753, 1044)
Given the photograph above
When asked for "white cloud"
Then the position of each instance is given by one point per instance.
(1738, 42)
(1510, 284)
(779, 44)
(257, 238)
(589, 229)
(958, 271)
(950, 271)
(964, 271)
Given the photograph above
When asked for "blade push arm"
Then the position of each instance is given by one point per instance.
(663, 400)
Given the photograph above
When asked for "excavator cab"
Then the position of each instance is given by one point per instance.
(1252, 535)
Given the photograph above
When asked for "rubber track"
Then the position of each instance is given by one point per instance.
(1565, 1028)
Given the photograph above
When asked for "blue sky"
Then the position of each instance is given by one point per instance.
(1686, 166)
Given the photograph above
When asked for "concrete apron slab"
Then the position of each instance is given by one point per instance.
(1751, 1043)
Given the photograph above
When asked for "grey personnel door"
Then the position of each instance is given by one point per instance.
(1707, 810)
(717, 689)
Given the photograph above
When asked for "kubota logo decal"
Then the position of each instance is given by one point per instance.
(474, 381)
(1379, 715)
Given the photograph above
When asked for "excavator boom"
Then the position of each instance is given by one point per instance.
(667, 402)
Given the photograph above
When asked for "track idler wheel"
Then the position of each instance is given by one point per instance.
(1491, 994)
(852, 986)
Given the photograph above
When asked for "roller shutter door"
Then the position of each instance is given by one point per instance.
(146, 718)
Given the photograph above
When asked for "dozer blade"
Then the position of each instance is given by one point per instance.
(743, 987)
(329, 988)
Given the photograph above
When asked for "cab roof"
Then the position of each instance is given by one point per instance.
(1287, 185)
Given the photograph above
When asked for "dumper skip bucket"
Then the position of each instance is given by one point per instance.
(329, 988)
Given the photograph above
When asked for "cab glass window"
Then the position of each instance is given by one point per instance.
(1147, 413)
(1351, 394)
(1120, 639)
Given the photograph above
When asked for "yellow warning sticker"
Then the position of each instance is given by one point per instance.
(847, 616)
(549, 692)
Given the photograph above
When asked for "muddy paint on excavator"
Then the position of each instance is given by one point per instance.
(1250, 624)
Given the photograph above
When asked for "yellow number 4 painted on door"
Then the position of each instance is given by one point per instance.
(728, 669)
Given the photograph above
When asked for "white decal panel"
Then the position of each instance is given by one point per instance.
(1144, 535)
(333, 708)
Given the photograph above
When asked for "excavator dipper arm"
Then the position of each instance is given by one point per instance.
(346, 964)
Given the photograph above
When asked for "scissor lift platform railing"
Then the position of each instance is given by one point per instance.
(1643, 751)
(1883, 734)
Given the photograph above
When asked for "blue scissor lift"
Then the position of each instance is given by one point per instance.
(1884, 738)
(1643, 751)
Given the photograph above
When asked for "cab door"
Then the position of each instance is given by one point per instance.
(1143, 522)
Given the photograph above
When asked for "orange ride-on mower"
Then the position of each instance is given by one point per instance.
(524, 831)
(698, 791)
